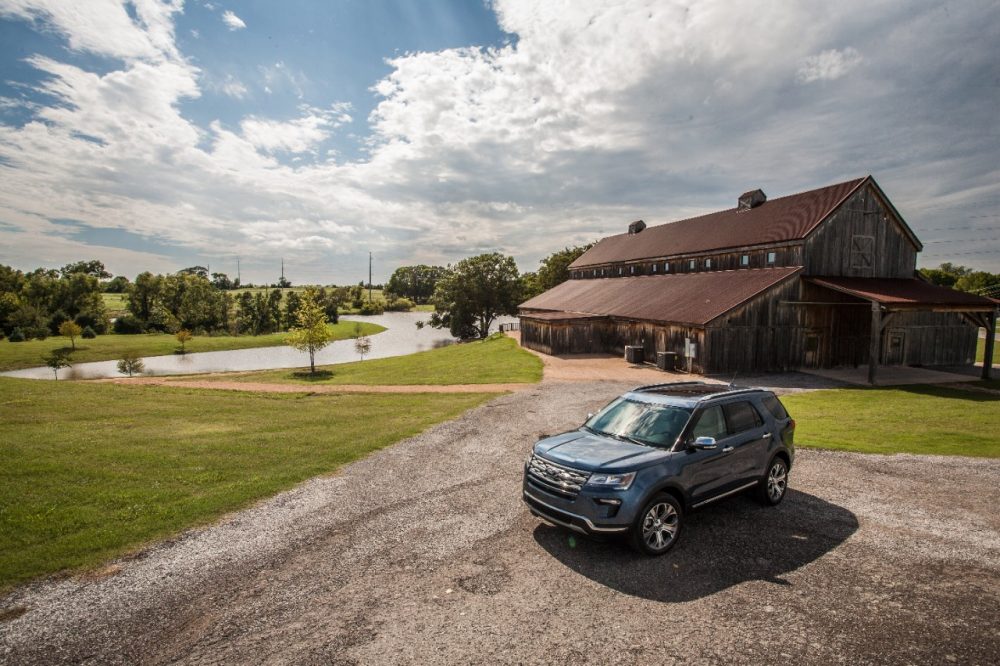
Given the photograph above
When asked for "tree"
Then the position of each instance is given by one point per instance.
(554, 269)
(117, 285)
(221, 281)
(362, 343)
(71, 330)
(183, 336)
(200, 271)
(415, 282)
(977, 282)
(312, 334)
(130, 364)
(476, 291)
(93, 268)
(58, 359)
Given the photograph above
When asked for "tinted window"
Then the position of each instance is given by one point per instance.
(741, 416)
(710, 424)
(658, 425)
(775, 407)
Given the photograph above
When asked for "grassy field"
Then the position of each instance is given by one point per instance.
(495, 360)
(981, 351)
(907, 419)
(16, 355)
(116, 304)
(92, 471)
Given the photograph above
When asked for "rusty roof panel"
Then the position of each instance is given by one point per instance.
(686, 298)
(903, 291)
(779, 220)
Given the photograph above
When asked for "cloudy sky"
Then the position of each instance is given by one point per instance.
(157, 135)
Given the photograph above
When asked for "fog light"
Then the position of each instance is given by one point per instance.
(608, 500)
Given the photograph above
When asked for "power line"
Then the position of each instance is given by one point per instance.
(963, 240)
(961, 254)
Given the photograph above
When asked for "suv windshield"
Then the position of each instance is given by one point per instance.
(654, 425)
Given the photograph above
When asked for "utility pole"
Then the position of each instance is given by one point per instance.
(238, 271)
(281, 282)
(369, 276)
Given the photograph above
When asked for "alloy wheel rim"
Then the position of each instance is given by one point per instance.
(777, 481)
(659, 526)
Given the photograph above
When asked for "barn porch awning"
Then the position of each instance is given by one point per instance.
(898, 294)
(891, 295)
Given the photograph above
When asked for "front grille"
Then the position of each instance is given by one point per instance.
(558, 479)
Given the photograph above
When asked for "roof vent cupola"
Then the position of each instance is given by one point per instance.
(751, 199)
(636, 227)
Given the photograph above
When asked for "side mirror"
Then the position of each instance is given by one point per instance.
(704, 443)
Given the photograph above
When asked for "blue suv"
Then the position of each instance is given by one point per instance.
(655, 453)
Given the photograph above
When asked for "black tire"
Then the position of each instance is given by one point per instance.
(658, 526)
(774, 486)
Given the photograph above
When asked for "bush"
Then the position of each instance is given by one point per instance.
(371, 309)
(17, 335)
(88, 333)
(36, 332)
(398, 304)
(56, 320)
(98, 324)
(128, 325)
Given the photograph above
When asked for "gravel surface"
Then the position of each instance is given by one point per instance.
(424, 553)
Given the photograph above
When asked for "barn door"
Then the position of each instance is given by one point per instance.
(895, 347)
(812, 350)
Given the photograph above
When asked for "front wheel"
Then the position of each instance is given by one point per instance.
(775, 483)
(658, 525)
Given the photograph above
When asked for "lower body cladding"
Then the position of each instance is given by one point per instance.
(570, 513)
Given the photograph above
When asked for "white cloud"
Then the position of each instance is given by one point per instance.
(598, 114)
(232, 21)
(828, 65)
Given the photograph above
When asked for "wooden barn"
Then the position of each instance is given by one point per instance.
(822, 279)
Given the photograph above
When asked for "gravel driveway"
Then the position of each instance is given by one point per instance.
(424, 553)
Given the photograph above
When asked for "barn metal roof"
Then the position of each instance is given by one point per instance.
(778, 220)
(562, 316)
(903, 292)
(683, 298)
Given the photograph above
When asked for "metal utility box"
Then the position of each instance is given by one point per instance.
(634, 354)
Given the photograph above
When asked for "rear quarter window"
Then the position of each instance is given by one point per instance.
(774, 406)
(741, 417)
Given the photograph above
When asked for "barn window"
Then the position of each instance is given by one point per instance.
(862, 251)
(621, 270)
(771, 257)
(654, 268)
(708, 263)
(666, 266)
(633, 270)
(745, 260)
(691, 264)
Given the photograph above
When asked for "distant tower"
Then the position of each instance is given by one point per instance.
(369, 277)
(238, 271)
(281, 283)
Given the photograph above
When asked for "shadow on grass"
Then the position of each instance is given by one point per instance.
(721, 546)
(973, 391)
(306, 376)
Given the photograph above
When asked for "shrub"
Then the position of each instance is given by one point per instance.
(17, 335)
(56, 320)
(128, 325)
(371, 309)
(398, 304)
(88, 333)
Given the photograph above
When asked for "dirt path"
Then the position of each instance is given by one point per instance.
(424, 553)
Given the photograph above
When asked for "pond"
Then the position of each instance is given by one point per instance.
(401, 337)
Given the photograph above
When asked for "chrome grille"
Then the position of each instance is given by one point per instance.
(556, 478)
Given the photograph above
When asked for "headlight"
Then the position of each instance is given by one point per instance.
(612, 481)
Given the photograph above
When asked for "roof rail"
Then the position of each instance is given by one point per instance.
(650, 387)
(727, 391)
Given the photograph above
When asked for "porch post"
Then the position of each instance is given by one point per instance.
(875, 343)
(991, 336)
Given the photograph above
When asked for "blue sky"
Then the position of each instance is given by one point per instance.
(156, 135)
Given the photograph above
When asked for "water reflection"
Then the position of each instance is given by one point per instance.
(401, 337)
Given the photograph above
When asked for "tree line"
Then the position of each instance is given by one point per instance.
(963, 278)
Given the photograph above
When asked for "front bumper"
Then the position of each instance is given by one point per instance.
(544, 507)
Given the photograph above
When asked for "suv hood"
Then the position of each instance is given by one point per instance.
(584, 450)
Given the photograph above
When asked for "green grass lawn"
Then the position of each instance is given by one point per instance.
(906, 419)
(92, 471)
(981, 351)
(16, 355)
(495, 360)
(116, 304)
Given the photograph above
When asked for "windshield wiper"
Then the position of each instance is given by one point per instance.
(628, 438)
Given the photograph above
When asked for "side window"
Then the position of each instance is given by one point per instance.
(775, 407)
(741, 417)
(711, 423)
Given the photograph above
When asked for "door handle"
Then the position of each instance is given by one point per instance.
(727, 449)
(767, 435)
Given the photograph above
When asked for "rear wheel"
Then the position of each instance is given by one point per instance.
(774, 485)
(658, 525)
